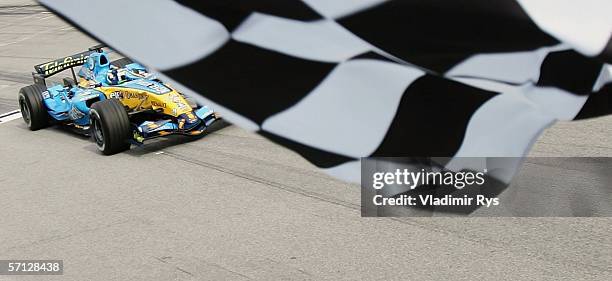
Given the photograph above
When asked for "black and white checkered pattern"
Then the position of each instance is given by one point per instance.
(344, 79)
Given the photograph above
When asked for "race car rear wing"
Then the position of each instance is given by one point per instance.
(53, 67)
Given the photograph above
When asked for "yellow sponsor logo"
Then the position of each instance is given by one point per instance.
(158, 104)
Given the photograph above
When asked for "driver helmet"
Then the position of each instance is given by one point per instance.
(116, 76)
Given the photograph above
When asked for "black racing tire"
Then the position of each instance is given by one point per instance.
(110, 126)
(32, 107)
(122, 62)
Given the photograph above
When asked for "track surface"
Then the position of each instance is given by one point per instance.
(233, 206)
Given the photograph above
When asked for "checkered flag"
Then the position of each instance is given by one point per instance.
(344, 79)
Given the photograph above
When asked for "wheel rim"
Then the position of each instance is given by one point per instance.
(98, 134)
(25, 111)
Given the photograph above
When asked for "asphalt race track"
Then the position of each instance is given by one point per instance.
(233, 206)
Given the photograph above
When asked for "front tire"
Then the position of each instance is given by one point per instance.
(32, 107)
(110, 126)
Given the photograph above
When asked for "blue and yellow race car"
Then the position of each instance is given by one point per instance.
(118, 103)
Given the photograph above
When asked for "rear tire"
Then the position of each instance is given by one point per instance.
(110, 126)
(122, 62)
(32, 107)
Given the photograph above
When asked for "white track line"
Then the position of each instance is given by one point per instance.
(9, 116)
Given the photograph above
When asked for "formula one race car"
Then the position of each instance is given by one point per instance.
(119, 103)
